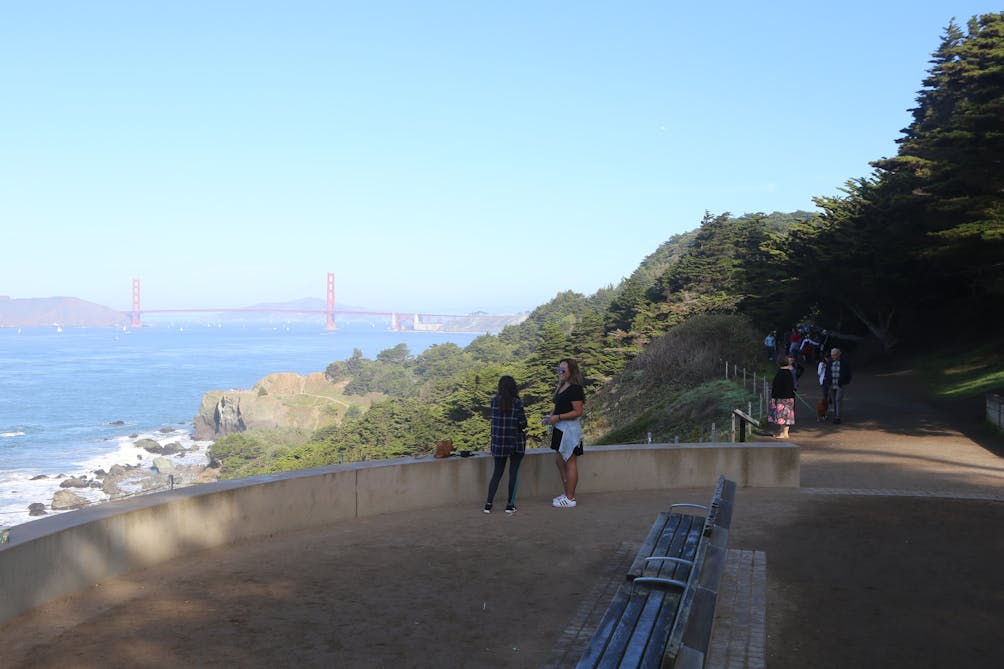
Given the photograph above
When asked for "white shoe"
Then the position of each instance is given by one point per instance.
(563, 502)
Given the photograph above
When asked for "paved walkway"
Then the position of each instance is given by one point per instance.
(888, 556)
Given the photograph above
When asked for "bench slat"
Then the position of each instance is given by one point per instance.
(605, 630)
(622, 633)
(637, 567)
(649, 654)
(669, 540)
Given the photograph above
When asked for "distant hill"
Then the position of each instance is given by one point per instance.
(61, 311)
(286, 312)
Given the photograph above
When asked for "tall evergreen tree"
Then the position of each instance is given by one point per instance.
(949, 172)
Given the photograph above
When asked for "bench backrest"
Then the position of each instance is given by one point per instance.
(691, 631)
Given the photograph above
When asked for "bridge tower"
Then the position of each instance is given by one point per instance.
(393, 321)
(135, 304)
(329, 311)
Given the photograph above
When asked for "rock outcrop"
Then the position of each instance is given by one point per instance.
(64, 500)
(74, 482)
(282, 400)
(153, 446)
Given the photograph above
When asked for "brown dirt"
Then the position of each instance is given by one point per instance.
(907, 578)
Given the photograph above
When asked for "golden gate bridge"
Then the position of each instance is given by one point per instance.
(397, 319)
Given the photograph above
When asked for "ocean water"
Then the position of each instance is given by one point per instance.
(76, 400)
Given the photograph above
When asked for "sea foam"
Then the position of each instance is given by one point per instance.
(22, 488)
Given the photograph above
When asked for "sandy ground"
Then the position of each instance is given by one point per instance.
(888, 556)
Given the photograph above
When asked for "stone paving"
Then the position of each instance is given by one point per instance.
(739, 638)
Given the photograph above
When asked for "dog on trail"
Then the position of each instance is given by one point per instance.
(821, 407)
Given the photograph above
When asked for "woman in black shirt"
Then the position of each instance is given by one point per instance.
(782, 397)
(566, 434)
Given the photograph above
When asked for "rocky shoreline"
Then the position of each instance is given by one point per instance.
(285, 400)
(165, 471)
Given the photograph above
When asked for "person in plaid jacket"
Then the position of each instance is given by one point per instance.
(508, 440)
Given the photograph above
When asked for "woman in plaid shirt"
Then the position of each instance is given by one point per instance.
(508, 439)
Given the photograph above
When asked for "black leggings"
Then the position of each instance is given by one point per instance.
(493, 485)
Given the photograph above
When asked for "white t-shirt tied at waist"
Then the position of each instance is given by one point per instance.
(571, 436)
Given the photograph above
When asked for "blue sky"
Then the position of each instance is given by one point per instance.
(435, 156)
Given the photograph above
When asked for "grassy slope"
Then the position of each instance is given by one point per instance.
(960, 373)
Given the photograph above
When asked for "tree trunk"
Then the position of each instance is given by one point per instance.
(881, 327)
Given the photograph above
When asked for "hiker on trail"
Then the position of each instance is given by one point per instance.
(822, 406)
(808, 348)
(821, 374)
(838, 375)
(508, 440)
(770, 343)
(824, 343)
(794, 342)
(782, 396)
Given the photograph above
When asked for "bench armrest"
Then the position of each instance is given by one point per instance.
(659, 558)
(655, 580)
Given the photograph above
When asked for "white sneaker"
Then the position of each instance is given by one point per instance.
(563, 502)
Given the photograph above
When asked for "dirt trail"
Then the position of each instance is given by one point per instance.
(890, 553)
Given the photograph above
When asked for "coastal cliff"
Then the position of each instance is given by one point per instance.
(283, 400)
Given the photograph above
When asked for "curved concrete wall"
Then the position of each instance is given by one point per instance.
(995, 410)
(56, 556)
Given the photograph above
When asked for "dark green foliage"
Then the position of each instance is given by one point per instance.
(390, 429)
(590, 347)
(712, 275)
(246, 455)
(344, 369)
(490, 349)
(392, 373)
(625, 307)
(394, 356)
(441, 362)
(630, 319)
(564, 311)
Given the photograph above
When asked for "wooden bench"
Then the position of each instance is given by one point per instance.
(663, 614)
